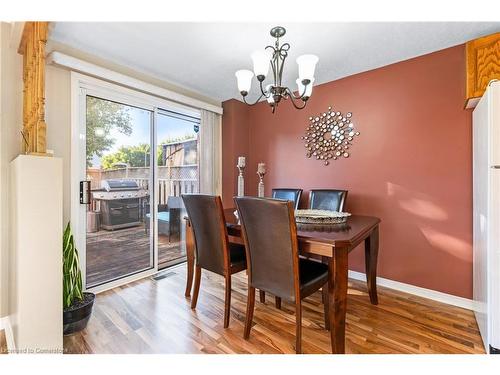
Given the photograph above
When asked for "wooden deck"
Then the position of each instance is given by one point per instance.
(111, 254)
(153, 316)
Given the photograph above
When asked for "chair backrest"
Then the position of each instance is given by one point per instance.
(288, 194)
(327, 199)
(270, 236)
(210, 234)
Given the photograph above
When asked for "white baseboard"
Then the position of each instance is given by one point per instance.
(418, 291)
(9, 336)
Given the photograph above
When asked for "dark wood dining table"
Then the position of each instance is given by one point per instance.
(332, 243)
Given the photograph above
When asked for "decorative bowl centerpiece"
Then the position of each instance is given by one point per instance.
(320, 217)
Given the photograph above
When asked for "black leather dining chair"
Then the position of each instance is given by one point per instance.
(213, 250)
(274, 265)
(288, 194)
(292, 195)
(327, 199)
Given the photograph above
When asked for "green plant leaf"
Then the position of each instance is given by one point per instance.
(72, 276)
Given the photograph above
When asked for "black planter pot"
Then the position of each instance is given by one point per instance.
(75, 317)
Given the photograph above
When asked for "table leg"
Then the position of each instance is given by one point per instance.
(190, 258)
(337, 298)
(371, 254)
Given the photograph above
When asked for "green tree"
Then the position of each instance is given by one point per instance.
(134, 156)
(102, 117)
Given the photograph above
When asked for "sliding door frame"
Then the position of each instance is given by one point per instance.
(81, 86)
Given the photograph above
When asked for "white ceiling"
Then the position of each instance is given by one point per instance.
(204, 56)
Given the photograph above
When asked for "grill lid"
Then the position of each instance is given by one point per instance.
(119, 185)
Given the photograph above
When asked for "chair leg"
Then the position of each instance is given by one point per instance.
(262, 296)
(227, 302)
(298, 327)
(277, 301)
(196, 290)
(326, 306)
(250, 308)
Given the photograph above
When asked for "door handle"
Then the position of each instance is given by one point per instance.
(84, 192)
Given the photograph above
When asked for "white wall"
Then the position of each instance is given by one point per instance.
(10, 146)
(58, 119)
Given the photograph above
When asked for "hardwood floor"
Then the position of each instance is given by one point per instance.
(111, 254)
(3, 342)
(151, 316)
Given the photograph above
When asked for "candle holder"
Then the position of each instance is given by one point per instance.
(261, 172)
(241, 181)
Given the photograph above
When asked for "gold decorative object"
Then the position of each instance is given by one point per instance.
(32, 47)
(329, 136)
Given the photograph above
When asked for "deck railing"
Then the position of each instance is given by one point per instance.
(173, 187)
(172, 181)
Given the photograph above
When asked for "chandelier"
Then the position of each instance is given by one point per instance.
(275, 56)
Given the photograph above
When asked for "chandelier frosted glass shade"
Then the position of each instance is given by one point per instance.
(307, 65)
(303, 90)
(244, 78)
(261, 62)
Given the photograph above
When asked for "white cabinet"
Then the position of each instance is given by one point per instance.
(36, 243)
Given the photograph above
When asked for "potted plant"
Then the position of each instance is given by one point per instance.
(77, 305)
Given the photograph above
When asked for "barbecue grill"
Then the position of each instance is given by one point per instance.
(121, 203)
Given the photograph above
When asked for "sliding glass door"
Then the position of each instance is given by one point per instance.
(134, 156)
(119, 240)
(177, 160)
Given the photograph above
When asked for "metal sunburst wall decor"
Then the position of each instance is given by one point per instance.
(329, 136)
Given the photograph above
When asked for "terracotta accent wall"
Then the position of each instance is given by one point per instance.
(235, 141)
(411, 165)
